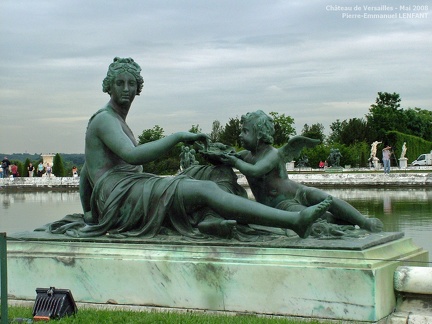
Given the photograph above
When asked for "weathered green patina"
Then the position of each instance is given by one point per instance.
(265, 169)
(119, 199)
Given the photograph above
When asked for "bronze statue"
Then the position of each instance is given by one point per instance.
(187, 158)
(118, 198)
(264, 167)
(334, 157)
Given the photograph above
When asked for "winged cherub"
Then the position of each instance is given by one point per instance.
(264, 167)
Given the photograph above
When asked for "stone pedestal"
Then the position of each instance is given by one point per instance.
(48, 158)
(290, 166)
(376, 163)
(403, 163)
(326, 279)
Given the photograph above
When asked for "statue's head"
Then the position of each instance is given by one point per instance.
(262, 125)
(120, 65)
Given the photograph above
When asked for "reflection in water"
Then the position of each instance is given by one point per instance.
(27, 210)
(408, 210)
(387, 205)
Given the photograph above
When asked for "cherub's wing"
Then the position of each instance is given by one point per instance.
(294, 146)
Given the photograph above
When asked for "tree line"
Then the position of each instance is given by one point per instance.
(386, 122)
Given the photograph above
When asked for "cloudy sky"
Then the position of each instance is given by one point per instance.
(202, 60)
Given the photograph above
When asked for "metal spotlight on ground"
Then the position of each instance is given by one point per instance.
(52, 303)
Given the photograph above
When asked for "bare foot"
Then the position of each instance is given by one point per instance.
(373, 224)
(309, 215)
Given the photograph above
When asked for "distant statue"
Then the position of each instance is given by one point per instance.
(303, 161)
(264, 168)
(121, 200)
(374, 150)
(404, 148)
(185, 158)
(334, 157)
(193, 160)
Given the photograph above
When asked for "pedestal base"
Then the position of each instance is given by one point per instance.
(307, 278)
(290, 166)
(376, 164)
(403, 163)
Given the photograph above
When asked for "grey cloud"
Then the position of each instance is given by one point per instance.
(201, 61)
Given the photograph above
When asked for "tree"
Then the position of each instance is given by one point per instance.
(25, 169)
(216, 132)
(315, 131)
(336, 131)
(151, 134)
(195, 129)
(354, 131)
(58, 167)
(419, 122)
(166, 164)
(316, 154)
(284, 128)
(385, 115)
(231, 133)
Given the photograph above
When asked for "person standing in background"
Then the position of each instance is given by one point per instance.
(48, 170)
(14, 170)
(74, 172)
(40, 169)
(5, 165)
(30, 170)
(386, 159)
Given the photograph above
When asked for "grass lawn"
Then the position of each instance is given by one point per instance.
(88, 315)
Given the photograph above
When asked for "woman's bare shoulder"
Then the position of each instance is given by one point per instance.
(102, 116)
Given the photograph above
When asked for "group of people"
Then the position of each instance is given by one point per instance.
(8, 169)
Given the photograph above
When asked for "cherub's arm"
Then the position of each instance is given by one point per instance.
(242, 154)
(263, 166)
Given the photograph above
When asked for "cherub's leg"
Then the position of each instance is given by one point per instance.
(198, 194)
(339, 208)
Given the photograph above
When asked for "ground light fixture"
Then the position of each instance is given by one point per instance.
(52, 303)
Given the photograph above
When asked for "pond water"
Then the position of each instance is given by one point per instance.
(408, 210)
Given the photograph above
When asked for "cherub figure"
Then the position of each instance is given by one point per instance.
(264, 167)
(185, 158)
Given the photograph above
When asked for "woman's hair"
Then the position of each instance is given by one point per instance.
(262, 124)
(120, 65)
